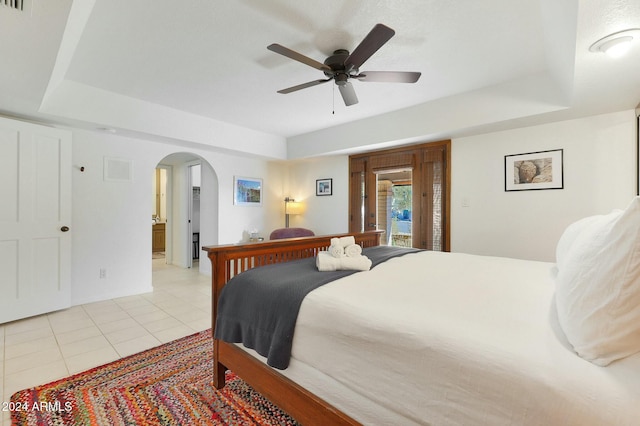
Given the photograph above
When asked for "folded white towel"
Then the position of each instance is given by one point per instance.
(336, 251)
(353, 250)
(347, 241)
(343, 241)
(325, 262)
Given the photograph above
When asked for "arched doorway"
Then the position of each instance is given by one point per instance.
(188, 191)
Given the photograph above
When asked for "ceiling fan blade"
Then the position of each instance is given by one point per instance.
(376, 38)
(389, 76)
(348, 94)
(292, 54)
(303, 86)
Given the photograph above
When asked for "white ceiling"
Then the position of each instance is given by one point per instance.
(149, 67)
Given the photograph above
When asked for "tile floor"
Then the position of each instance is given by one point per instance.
(48, 347)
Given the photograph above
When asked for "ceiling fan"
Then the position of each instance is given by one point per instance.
(342, 65)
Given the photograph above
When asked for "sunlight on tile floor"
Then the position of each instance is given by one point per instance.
(49, 347)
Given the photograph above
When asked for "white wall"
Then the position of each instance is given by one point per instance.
(323, 214)
(111, 220)
(599, 175)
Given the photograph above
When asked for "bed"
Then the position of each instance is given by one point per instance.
(432, 338)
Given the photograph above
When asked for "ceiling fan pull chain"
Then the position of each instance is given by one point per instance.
(333, 101)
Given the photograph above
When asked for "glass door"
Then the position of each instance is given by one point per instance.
(395, 207)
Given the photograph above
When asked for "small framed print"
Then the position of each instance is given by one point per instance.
(533, 170)
(247, 191)
(324, 187)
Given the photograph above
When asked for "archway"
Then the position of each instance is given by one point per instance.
(182, 248)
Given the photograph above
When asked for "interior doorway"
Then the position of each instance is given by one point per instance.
(159, 212)
(195, 181)
(191, 194)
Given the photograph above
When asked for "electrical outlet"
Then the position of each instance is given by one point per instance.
(103, 273)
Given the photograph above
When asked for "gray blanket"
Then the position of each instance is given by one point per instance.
(259, 307)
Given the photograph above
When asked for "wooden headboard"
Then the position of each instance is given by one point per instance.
(231, 259)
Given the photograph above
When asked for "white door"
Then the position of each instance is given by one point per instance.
(35, 219)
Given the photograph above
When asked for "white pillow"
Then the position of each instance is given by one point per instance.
(598, 285)
(569, 236)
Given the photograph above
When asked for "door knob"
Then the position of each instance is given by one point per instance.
(64, 228)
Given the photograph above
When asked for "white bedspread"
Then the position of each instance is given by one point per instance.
(445, 338)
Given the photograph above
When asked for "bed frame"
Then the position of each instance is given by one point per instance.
(230, 260)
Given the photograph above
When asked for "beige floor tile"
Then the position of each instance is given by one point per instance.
(29, 347)
(101, 307)
(152, 316)
(76, 335)
(200, 324)
(37, 375)
(133, 346)
(104, 317)
(28, 335)
(192, 315)
(179, 308)
(27, 324)
(72, 313)
(83, 346)
(40, 358)
(85, 361)
(142, 309)
(131, 301)
(162, 324)
(121, 324)
(127, 334)
(71, 324)
(174, 333)
(203, 303)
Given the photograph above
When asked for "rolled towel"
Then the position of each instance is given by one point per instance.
(325, 262)
(346, 241)
(336, 251)
(358, 263)
(353, 250)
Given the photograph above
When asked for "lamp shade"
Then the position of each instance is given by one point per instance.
(294, 207)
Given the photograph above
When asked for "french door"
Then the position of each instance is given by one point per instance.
(35, 219)
(404, 192)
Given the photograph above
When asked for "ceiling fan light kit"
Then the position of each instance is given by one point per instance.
(342, 65)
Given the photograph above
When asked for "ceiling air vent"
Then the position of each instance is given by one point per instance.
(14, 4)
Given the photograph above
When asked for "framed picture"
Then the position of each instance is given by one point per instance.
(533, 170)
(324, 186)
(247, 191)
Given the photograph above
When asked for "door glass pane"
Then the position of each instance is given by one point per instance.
(437, 208)
(394, 207)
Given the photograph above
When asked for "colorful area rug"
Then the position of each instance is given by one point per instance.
(167, 385)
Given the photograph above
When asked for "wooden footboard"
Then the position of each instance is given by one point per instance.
(230, 260)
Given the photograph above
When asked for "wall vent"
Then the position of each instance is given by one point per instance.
(14, 4)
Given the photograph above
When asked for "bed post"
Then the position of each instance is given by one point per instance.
(218, 276)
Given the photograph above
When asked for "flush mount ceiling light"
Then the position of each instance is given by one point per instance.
(616, 44)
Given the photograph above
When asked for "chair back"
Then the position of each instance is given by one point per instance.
(281, 233)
